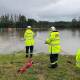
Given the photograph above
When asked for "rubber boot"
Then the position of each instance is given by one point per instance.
(26, 55)
(31, 55)
(53, 66)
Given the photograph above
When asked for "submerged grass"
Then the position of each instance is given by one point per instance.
(66, 70)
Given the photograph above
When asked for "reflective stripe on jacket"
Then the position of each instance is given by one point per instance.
(78, 58)
(29, 37)
(54, 42)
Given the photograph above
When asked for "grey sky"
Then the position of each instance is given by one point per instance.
(50, 10)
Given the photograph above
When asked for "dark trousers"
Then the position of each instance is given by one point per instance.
(53, 59)
(29, 49)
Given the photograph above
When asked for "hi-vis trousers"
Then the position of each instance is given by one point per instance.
(53, 60)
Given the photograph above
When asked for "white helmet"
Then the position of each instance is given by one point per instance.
(28, 26)
(53, 28)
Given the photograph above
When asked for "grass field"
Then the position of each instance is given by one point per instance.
(66, 70)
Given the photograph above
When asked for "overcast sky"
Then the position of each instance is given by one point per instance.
(49, 10)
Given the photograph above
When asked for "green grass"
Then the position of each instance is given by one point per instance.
(9, 64)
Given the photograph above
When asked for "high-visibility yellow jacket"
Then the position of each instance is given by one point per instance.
(78, 58)
(54, 42)
(29, 37)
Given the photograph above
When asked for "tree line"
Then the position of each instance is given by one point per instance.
(20, 21)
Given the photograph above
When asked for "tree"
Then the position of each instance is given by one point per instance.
(22, 22)
(22, 18)
(74, 23)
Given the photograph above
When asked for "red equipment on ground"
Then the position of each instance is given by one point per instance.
(25, 67)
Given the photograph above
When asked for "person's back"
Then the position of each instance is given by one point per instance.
(29, 37)
(54, 47)
(54, 42)
(29, 41)
(78, 58)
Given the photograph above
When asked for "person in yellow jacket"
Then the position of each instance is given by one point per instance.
(54, 47)
(29, 41)
(78, 58)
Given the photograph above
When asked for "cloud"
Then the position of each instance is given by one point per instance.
(64, 9)
(28, 7)
(43, 9)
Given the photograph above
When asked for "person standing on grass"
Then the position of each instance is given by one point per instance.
(54, 46)
(78, 58)
(29, 41)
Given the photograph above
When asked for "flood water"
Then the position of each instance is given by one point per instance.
(12, 41)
